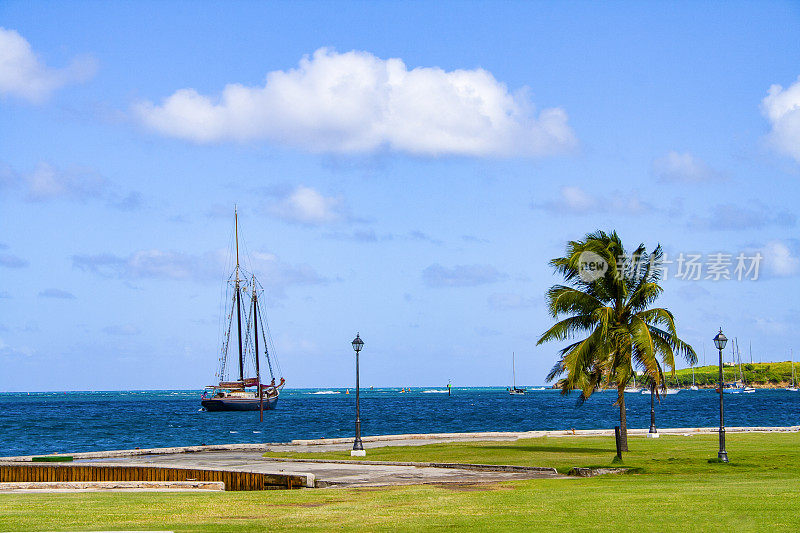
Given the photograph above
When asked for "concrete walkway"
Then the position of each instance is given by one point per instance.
(323, 473)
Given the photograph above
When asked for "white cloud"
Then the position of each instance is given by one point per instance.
(210, 266)
(24, 75)
(356, 102)
(575, 200)
(782, 108)
(124, 329)
(47, 182)
(7, 351)
(772, 325)
(12, 261)
(684, 168)
(461, 275)
(305, 205)
(730, 217)
(780, 259)
(57, 293)
(506, 301)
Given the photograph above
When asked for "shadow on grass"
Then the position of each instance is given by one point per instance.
(551, 449)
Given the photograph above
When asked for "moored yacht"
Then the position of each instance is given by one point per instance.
(245, 393)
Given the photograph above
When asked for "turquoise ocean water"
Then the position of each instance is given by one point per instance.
(46, 422)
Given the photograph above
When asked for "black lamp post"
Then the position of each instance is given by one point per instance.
(653, 433)
(720, 341)
(358, 448)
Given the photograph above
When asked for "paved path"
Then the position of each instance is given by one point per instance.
(334, 473)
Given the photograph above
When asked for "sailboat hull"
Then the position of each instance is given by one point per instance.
(237, 404)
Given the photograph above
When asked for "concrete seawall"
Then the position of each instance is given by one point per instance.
(412, 439)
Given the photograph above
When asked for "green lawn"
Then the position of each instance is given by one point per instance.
(676, 488)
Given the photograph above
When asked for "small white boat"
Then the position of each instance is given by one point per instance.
(669, 391)
(514, 390)
(793, 386)
(694, 387)
(742, 384)
(634, 389)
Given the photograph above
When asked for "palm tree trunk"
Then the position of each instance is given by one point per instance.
(623, 421)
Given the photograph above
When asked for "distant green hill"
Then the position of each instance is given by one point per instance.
(757, 374)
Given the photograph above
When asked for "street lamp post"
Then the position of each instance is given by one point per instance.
(358, 447)
(653, 433)
(719, 341)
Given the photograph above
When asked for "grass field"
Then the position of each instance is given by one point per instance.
(675, 488)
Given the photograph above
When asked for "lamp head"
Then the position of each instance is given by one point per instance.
(720, 340)
(357, 343)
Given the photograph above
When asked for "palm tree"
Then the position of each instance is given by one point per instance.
(605, 302)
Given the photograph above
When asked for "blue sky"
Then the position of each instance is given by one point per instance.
(405, 170)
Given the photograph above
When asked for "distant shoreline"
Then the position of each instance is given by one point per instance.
(414, 388)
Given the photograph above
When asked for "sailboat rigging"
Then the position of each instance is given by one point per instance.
(514, 391)
(245, 393)
(793, 386)
(745, 388)
(634, 389)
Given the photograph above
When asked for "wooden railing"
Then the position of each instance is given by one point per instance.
(233, 480)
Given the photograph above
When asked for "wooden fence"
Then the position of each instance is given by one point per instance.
(82, 472)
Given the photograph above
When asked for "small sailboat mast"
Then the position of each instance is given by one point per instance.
(739, 358)
(513, 372)
(514, 390)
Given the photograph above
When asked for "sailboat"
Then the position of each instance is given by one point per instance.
(634, 389)
(738, 386)
(693, 387)
(746, 388)
(514, 390)
(247, 393)
(666, 391)
(793, 386)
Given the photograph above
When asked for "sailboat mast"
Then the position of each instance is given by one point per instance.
(739, 357)
(255, 329)
(255, 337)
(236, 231)
(513, 372)
(238, 298)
